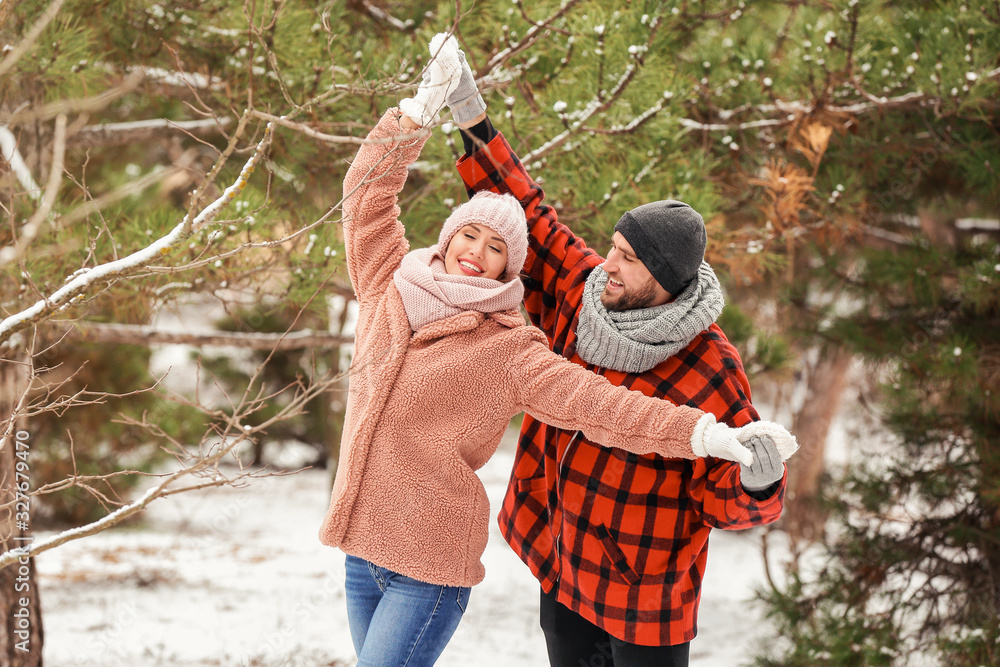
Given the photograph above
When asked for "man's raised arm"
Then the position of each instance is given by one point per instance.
(558, 261)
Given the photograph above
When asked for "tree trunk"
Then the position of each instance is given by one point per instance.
(804, 518)
(20, 605)
(338, 399)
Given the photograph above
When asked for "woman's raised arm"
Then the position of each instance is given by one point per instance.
(373, 235)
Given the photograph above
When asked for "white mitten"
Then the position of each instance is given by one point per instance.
(785, 441)
(718, 440)
(442, 75)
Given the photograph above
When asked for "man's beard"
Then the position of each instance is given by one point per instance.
(629, 299)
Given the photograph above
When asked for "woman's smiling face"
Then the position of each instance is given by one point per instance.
(476, 250)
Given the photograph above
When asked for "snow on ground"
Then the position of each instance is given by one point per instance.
(238, 577)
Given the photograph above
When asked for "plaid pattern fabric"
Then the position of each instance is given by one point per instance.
(622, 537)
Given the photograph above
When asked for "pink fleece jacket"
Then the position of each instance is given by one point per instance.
(427, 409)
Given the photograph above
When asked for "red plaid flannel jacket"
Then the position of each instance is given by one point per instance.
(624, 538)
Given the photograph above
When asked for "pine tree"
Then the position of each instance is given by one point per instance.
(912, 565)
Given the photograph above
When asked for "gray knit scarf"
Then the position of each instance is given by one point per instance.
(634, 341)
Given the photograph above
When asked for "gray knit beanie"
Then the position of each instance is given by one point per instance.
(669, 238)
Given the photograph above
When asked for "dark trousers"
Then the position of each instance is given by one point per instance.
(573, 641)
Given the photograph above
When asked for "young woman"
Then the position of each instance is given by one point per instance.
(443, 360)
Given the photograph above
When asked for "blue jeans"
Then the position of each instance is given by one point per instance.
(397, 621)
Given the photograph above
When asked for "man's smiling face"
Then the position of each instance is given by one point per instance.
(630, 284)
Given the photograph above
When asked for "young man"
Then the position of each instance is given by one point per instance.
(619, 541)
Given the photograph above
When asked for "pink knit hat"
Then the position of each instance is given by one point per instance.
(501, 213)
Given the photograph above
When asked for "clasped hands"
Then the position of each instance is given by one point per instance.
(760, 447)
(447, 80)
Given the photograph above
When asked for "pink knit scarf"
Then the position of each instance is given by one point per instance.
(430, 293)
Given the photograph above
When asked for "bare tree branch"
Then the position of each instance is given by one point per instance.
(204, 464)
(333, 138)
(118, 194)
(308, 131)
(274, 243)
(84, 279)
(78, 480)
(105, 522)
(81, 105)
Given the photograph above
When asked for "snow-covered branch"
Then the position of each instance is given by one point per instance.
(196, 81)
(292, 235)
(798, 108)
(727, 127)
(84, 279)
(604, 99)
(636, 122)
(29, 231)
(8, 147)
(179, 78)
(114, 518)
(129, 334)
(533, 34)
(114, 134)
(594, 107)
(886, 235)
(787, 111)
(776, 114)
(385, 17)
